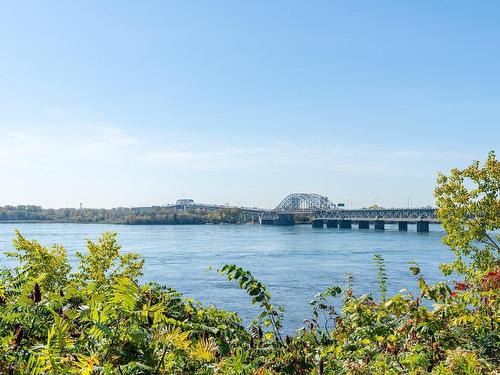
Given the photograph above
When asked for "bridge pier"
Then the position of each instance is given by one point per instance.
(403, 226)
(332, 223)
(284, 219)
(345, 224)
(422, 226)
(379, 225)
(318, 223)
(363, 224)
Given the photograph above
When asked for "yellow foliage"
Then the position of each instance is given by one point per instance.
(204, 350)
(86, 364)
(176, 338)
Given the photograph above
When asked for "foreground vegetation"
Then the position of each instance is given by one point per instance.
(100, 320)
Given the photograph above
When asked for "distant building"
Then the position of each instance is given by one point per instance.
(184, 202)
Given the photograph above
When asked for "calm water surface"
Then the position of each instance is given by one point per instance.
(295, 262)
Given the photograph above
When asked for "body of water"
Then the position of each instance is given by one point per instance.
(295, 262)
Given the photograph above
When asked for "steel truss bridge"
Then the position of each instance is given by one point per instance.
(323, 212)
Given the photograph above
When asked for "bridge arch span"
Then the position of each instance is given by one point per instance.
(304, 203)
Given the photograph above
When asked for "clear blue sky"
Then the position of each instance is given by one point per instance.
(119, 103)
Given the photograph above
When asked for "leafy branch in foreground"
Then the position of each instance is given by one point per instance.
(381, 276)
(270, 315)
(319, 303)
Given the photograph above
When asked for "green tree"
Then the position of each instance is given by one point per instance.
(469, 210)
(104, 261)
(46, 266)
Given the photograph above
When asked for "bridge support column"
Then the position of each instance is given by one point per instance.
(364, 224)
(345, 224)
(284, 219)
(266, 219)
(422, 226)
(403, 226)
(318, 223)
(332, 223)
(379, 225)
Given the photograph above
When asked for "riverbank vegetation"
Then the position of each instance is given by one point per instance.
(122, 215)
(98, 318)
(155, 215)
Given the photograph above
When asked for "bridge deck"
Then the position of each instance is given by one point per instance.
(393, 214)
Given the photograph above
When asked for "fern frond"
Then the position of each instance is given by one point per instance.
(87, 364)
(175, 337)
(204, 350)
(36, 365)
(58, 338)
(125, 293)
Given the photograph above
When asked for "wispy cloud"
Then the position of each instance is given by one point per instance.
(78, 144)
(265, 158)
(287, 157)
(213, 160)
(104, 140)
(430, 155)
(55, 146)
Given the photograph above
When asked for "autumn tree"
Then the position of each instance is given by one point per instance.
(469, 210)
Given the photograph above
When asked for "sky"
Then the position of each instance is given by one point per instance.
(127, 103)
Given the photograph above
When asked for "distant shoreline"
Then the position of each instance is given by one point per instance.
(98, 222)
(111, 223)
(129, 216)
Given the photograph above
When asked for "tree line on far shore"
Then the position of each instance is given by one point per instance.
(121, 215)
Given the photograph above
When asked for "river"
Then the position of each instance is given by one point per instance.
(295, 262)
